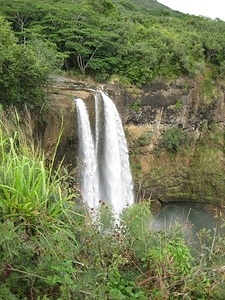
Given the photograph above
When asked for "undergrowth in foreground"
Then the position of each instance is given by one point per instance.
(51, 249)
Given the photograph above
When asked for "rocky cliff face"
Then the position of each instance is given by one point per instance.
(194, 173)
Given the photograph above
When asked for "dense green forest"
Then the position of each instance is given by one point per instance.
(136, 42)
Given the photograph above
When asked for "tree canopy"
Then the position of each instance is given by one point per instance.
(24, 68)
(138, 42)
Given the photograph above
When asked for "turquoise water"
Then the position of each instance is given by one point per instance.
(190, 219)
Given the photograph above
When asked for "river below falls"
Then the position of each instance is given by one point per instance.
(190, 219)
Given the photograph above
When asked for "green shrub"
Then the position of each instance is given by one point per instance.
(136, 105)
(145, 138)
(24, 69)
(178, 105)
(207, 90)
(173, 138)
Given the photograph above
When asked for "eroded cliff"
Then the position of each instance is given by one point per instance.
(194, 172)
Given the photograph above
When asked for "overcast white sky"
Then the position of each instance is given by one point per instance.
(208, 8)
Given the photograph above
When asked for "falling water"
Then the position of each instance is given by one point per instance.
(88, 174)
(106, 174)
(116, 180)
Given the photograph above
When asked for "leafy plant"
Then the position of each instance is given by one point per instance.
(173, 138)
(145, 138)
(136, 105)
(178, 105)
(207, 90)
(24, 72)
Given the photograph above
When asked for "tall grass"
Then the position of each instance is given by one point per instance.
(28, 190)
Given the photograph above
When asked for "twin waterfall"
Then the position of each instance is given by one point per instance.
(105, 170)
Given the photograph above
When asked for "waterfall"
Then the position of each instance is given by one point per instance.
(105, 173)
(116, 180)
(88, 173)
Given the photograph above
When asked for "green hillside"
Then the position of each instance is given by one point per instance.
(151, 6)
(134, 41)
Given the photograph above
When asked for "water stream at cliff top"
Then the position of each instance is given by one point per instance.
(105, 173)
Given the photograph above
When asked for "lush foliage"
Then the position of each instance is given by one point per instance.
(138, 42)
(24, 69)
(173, 138)
(28, 191)
(52, 249)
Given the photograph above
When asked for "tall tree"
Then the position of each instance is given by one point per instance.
(23, 75)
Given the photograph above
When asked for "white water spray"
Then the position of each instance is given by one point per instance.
(106, 174)
(116, 180)
(88, 174)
